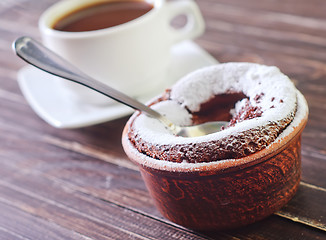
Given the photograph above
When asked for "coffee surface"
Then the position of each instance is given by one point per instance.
(102, 15)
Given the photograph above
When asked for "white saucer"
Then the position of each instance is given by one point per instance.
(52, 103)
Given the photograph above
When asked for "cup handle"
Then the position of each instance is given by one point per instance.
(195, 25)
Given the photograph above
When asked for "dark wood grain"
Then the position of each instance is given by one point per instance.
(307, 207)
(79, 184)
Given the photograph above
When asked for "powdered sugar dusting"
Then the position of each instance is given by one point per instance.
(301, 113)
(200, 86)
(249, 78)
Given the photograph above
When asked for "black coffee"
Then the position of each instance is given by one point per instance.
(102, 15)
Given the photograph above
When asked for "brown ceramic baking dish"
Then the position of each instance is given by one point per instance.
(229, 193)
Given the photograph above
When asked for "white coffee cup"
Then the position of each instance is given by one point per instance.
(131, 57)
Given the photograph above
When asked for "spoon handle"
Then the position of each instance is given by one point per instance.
(43, 58)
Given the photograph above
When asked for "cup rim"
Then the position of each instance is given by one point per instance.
(46, 20)
(281, 142)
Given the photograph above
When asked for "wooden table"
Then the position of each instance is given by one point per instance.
(79, 184)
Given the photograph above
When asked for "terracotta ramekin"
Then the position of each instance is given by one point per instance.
(230, 193)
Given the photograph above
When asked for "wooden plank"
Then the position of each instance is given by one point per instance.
(280, 19)
(313, 168)
(295, 7)
(6, 235)
(261, 45)
(274, 227)
(62, 216)
(307, 207)
(17, 224)
(58, 202)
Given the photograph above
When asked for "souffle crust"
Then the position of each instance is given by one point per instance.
(258, 101)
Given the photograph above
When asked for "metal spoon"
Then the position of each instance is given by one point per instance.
(43, 58)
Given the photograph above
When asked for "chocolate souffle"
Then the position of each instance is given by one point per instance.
(258, 101)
